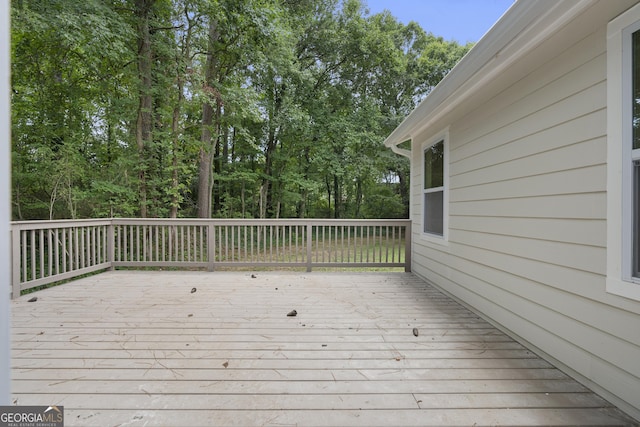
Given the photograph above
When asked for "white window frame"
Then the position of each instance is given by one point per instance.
(436, 238)
(619, 156)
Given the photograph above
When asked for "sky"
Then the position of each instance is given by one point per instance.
(460, 20)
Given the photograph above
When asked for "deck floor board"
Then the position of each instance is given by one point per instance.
(145, 348)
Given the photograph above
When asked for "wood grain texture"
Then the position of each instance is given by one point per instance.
(139, 348)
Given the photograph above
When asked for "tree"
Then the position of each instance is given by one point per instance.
(259, 108)
(62, 53)
(145, 99)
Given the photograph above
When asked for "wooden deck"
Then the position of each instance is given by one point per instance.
(141, 349)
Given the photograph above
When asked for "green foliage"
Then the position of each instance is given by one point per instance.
(302, 95)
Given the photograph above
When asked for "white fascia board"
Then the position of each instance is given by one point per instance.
(523, 26)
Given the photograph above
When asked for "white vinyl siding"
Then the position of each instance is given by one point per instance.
(528, 209)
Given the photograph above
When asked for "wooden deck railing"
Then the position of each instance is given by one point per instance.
(49, 251)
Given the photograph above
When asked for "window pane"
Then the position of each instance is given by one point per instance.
(433, 218)
(434, 166)
(636, 88)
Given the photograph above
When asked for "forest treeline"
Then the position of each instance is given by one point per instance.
(214, 108)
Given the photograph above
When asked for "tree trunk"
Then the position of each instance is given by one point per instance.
(206, 153)
(359, 197)
(222, 156)
(145, 101)
(404, 191)
(276, 96)
(173, 211)
(267, 183)
(204, 164)
(302, 204)
(242, 200)
(217, 158)
(304, 192)
(261, 202)
(336, 198)
(328, 186)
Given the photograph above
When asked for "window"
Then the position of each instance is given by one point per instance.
(433, 189)
(623, 154)
(631, 150)
(631, 153)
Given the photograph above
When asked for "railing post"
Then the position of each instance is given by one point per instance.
(111, 245)
(15, 262)
(407, 247)
(211, 245)
(309, 245)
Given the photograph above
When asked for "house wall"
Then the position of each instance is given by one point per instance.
(527, 210)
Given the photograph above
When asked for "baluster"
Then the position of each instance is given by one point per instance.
(359, 241)
(393, 244)
(55, 269)
(86, 236)
(324, 227)
(129, 255)
(219, 234)
(201, 258)
(80, 232)
(187, 231)
(145, 244)
(342, 243)
(265, 244)
(99, 257)
(226, 243)
(348, 244)
(87, 246)
(49, 253)
(79, 236)
(193, 256)
(33, 263)
(181, 249)
(155, 242)
(270, 243)
(290, 250)
(245, 243)
(387, 243)
(41, 250)
(93, 246)
(121, 242)
(164, 247)
(75, 258)
(62, 249)
(236, 243)
(70, 249)
(297, 239)
(252, 242)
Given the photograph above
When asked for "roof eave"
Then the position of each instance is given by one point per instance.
(510, 38)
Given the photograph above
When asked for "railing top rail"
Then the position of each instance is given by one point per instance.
(65, 223)
(247, 221)
(58, 223)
